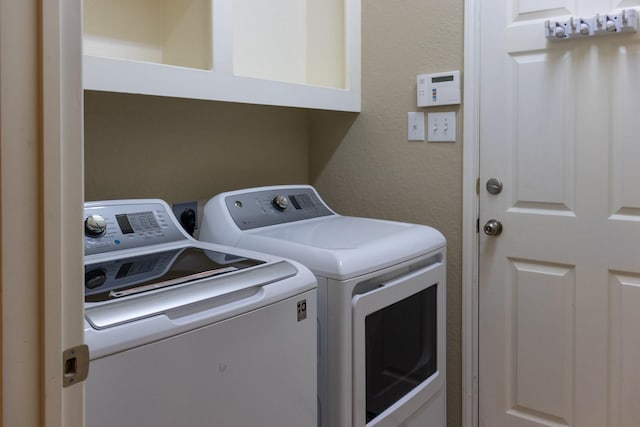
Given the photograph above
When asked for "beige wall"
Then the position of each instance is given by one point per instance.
(178, 150)
(366, 166)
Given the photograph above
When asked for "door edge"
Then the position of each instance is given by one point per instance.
(470, 212)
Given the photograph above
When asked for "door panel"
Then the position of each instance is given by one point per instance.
(624, 381)
(625, 131)
(557, 289)
(542, 84)
(542, 341)
(556, 7)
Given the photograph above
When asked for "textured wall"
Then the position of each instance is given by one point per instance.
(180, 150)
(364, 165)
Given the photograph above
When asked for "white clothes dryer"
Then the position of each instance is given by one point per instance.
(185, 333)
(381, 301)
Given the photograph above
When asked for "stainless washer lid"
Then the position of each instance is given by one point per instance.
(134, 274)
(239, 284)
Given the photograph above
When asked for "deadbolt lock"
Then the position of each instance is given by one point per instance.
(494, 186)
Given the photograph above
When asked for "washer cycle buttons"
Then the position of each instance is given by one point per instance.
(95, 226)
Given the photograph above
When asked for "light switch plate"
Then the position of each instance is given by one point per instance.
(442, 127)
(415, 123)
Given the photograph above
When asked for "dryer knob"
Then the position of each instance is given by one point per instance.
(95, 226)
(280, 202)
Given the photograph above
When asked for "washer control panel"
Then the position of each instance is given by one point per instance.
(124, 224)
(275, 206)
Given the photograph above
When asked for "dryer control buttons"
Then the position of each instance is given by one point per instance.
(280, 203)
(95, 226)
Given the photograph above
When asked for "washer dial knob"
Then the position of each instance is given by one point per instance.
(280, 202)
(95, 226)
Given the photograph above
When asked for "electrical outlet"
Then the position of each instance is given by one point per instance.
(187, 215)
(442, 127)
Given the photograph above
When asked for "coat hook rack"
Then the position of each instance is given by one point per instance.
(617, 22)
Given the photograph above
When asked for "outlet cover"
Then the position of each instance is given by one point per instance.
(442, 127)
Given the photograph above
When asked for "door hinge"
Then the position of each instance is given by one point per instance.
(477, 225)
(75, 365)
(478, 186)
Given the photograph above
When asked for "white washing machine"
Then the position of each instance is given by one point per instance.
(381, 301)
(185, 333)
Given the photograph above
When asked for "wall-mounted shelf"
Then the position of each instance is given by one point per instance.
(285, 52)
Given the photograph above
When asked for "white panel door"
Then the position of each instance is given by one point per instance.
(559, 289)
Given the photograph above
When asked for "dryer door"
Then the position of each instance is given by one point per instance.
(398, 354)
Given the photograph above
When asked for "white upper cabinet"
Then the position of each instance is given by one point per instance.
(298, 53)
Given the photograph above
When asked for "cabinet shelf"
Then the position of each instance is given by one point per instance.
(282, 52)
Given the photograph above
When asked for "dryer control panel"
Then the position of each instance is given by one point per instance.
(124, 224)
(275, 206)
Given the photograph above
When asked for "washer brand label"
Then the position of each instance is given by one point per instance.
(302, 310)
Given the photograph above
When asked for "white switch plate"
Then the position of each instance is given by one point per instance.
(442, 127)
(415, 122)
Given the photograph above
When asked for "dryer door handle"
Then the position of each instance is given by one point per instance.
(399, 288)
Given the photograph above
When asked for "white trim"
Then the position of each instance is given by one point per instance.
(470, 214)
(41, 193)
(62, 197)
(20, 264)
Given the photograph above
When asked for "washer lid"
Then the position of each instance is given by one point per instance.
(342, 247)
(226, 287)
(135, 274)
